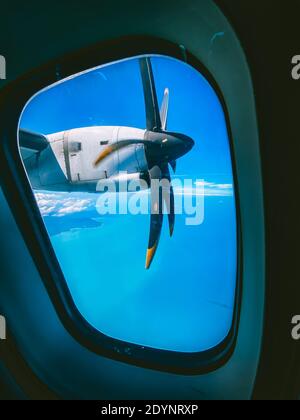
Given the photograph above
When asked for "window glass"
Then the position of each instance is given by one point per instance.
(139, 268)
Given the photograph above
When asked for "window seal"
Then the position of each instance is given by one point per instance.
(21, 200)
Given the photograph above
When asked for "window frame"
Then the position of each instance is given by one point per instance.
(23, 205)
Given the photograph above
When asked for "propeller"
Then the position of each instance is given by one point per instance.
(164, 110)
(153, 121)
(162, 148)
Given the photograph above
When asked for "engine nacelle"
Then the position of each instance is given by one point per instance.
(72, 154)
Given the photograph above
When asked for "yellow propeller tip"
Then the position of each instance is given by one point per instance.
(150, 255)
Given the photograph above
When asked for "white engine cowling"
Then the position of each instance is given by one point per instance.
(76, 151)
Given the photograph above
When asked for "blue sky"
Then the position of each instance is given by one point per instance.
(113, 95)
(185, 301)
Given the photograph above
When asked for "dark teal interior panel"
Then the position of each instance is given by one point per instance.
(51, 352)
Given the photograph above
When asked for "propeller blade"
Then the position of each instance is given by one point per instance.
(168, 196)
(173, 164)
(164, 110)
(116, 146)
(33, 141)
(153, 121)
(156, 217)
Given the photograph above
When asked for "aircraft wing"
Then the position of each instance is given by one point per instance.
(34, 142)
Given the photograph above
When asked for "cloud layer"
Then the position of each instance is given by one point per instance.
(63, 204)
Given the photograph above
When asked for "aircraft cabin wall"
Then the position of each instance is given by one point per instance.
(58, 360)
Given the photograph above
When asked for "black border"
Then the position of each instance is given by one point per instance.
(21, 200)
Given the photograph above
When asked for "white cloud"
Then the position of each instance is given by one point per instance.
(73, 206)
(212, 189)
(61, 204)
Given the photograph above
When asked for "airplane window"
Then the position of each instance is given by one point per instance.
(131, 167)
